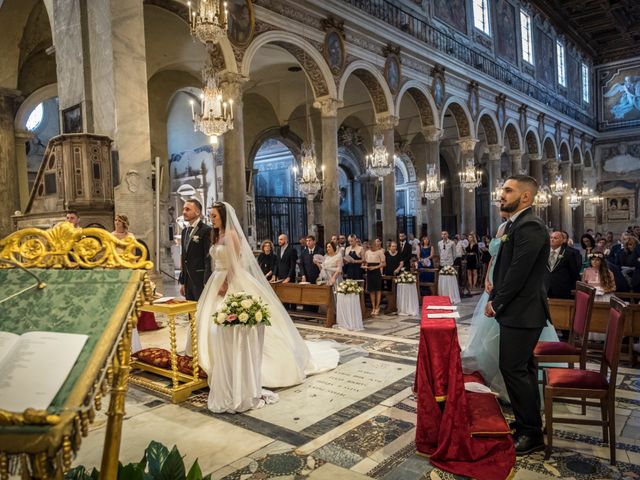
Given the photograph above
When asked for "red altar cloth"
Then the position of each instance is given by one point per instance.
(445, 434)
(147, 321)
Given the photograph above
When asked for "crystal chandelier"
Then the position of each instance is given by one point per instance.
(216, 115)
(308, 183)
(433, 187)
(575, 198)
(542, 198)
(558, 188)
(596, 199)
(378, 162)
(497, 192)
(208, 21)
(470, 178)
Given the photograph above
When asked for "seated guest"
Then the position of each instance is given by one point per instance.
(599, 276)
(331, 265)
(267, 259)
(564, 268)
(627, 260)
(121, 223)
(353, 257)
(308, 269)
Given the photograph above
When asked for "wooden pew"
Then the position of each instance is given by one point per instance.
(390, 295)
(308, 294)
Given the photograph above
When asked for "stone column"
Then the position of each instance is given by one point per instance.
(331, 191)
(9, 195)
(535, 168)
(516, 161)
(552, 167)
(566, 213)
(234, 167)
(466, 147)
(432, 136)
(493, 170)
(578, 213)
(21, 166)
(369, 187)
(387, 125)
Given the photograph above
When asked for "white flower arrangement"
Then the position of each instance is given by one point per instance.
(448, 270)
(405, 277)
(349, 287)
(242, 309)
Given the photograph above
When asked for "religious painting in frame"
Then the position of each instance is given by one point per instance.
(438, 86)
(506, 41)
(241, 21)
(474, 99)
(545, 58)
(333, 50)
(72, 119)
(392, 72)
(452, 12)
(620, 95)
(501, 109)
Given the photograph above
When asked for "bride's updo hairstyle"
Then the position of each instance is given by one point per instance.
(222, 211)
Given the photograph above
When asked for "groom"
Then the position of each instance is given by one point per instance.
(518, 301)
(194, 260)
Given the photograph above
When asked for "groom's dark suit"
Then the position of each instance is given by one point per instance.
(519, 299)
(195, 260)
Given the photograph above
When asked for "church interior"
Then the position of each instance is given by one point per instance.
(322, 118)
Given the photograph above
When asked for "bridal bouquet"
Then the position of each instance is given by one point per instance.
(405, 277)
(242, 309)
(448, 270)
(349, 287)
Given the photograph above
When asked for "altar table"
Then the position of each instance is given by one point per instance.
(463, 433)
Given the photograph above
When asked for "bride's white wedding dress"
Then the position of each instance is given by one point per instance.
(287, 359)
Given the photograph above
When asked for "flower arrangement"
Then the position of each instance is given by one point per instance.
(405, 277)
(242, 309)
(349, 287)
(504, 238)
(448, 270)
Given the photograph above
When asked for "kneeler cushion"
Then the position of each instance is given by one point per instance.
(158, 357)
(184, 366)
(485, 416)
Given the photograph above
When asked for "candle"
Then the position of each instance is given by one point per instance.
(231, 109)
(193, 112)
(322, 172)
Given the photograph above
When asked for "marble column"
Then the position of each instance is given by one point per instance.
(466, 147)
(516, 161)
(22, 137)
(566, 213)
(578, 213)
(234, 167)
(331, 191)
(9, 194)
(535, 168)
(387, 125)
(552, 167)
(493, 171)
(369, 188)
(432, 136)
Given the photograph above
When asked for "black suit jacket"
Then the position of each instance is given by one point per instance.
(405, 253)
(195, 260)
(565, 274)
(309, 269)
(520, 275)
(286, 264)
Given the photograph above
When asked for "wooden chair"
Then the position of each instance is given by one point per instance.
(432, 286)
(563, 384)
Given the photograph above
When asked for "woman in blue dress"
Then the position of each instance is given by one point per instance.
(426, 259)
(482, 352)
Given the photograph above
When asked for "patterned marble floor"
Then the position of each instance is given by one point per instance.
(360, 432)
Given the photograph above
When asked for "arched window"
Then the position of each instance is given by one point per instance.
(35, 118)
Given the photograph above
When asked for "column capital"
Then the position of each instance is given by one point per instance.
(495, 152)
(467, 144)
(232, 84)
(552, 167)
(10, 92)
(23, 135)
(432, 133)
(515, 153)
(535, 157)
(328, 106)
(386, 122)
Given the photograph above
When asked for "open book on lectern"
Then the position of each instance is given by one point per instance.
(33, 367)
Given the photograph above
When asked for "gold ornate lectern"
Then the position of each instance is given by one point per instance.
(89, 282)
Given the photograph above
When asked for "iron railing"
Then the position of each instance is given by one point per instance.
(352, 224)
(276, 215)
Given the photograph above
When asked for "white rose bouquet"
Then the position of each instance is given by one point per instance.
(405, 277)
(349, 287)
(242, 309)
(448, 270)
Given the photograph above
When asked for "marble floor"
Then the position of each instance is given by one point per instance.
(333, 427)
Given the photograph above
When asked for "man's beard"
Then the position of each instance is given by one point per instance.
(510, 207)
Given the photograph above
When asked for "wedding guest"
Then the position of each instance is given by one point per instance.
(73, 218)
(267, 259)
(627, 259)
(599, 276)
(342, 243)
(308, 268)
(426, 252)
(332, 265)
(375, 262)
(415, 245)
(587, 243)
(287, 257)
(353, 257)
(404, 249)
(121, 223)
(564, 268)
(446, 247)
(393, 261)
(471, 256)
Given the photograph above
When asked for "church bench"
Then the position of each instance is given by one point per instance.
(308, 294)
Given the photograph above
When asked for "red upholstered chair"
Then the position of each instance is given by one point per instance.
(566, 383)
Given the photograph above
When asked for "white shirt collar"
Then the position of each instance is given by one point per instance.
(516, 215)
(195, 223)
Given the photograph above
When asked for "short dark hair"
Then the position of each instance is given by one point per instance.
(311, 237)
(333, 245)
(196, 202)
(527, 180)
(72, 212)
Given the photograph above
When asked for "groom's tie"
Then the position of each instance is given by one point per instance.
(553, 256)
(187, 234)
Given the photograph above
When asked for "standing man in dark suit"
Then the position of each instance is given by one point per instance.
(518, 301)
(287, 258)
(195, 259)
(310, 271)
(404, 250)
(563, 266)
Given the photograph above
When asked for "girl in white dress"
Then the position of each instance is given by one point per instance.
(287, 359)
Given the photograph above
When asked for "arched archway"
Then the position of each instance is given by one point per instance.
(374, 82)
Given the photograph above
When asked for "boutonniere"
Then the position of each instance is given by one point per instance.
(504, 238)
(195, 239)
(560, 257)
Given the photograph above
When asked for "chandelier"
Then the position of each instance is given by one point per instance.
(542, 198)
(558, 188)
(470, 178)
(596, 199)
(433, 187)
(309, 184)
(378, 163)
(208, 21)
(575, 198)
(497, 192)
(216, 115)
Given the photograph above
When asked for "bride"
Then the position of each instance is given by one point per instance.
(482, 352)
(287, 359)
